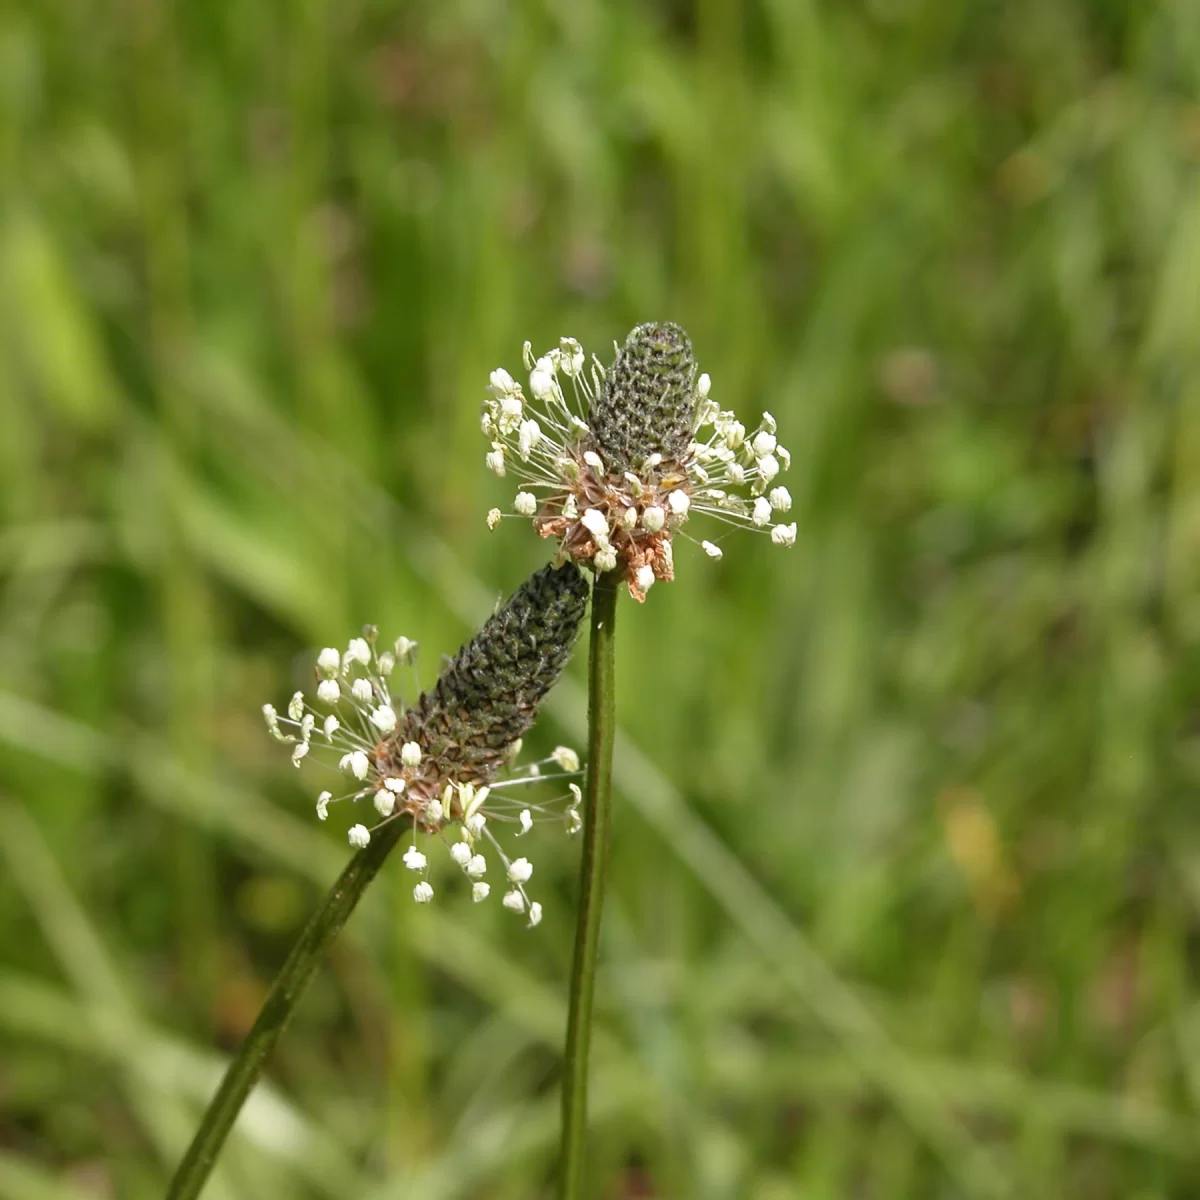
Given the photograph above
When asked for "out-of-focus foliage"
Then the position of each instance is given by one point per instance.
(906, 868)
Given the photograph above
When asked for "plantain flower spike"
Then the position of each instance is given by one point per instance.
(446, 764)
(615, 472)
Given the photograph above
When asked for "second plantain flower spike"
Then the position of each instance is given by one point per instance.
(446, 763)
(614, 476)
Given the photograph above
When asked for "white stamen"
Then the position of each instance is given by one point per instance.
(502, 382)
(529, 436)
(732, 432)
(654, 518)
(359, 836)
(384, 718)
(764, 443)
(541, 382)
(355, 763)
(414, 860)
(594, 522)
(566, 758)
(570, 356)
(520, 870)
(574, 820)
(467, 801)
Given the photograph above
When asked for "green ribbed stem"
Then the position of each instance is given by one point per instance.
(306, 956)
(592, 872)
(484, 700)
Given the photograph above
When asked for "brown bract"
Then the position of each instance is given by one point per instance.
(428, 780)
(613, 496)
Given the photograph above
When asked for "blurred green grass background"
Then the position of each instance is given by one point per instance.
(906, 866)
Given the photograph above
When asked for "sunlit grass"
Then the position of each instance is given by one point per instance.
(904, 879)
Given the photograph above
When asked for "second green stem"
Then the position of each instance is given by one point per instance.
(592, 872)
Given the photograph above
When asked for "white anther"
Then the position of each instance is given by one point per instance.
(654, 518)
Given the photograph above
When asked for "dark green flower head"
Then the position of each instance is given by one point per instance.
(434, 763)
(612, 463)
(488, 695)
(646, 404)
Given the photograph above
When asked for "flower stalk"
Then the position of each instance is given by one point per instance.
(277, 1010)
(427, 768)
(592, 875)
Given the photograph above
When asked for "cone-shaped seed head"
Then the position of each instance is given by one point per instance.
(488, 695)
(646, 404)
